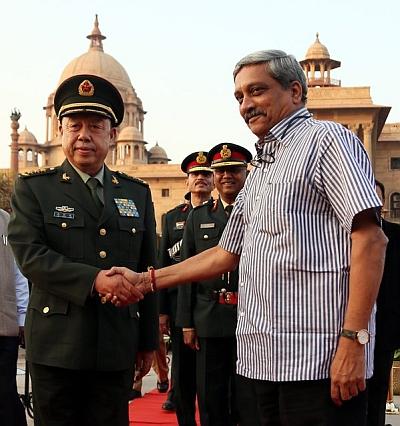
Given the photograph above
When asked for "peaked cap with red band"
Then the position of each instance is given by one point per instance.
(196, 162)
(90, 94)
(228, 154)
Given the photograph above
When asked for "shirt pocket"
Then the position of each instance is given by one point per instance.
(131, 232)
(207, 238)
(66, 236)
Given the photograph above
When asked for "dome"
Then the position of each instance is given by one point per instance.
(157, 154)
(96, 62)
(317, 50)
(129, 133)
(27, 138)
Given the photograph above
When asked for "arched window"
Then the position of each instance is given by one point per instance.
(395, 205)
(29, 156)
(20, 154)
(136, 153)
(127, 151)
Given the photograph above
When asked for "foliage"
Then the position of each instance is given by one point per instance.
(6, 186)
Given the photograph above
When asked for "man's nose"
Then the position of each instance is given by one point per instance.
(84, 132)
(246, 105)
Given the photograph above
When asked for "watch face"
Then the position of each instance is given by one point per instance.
(363, 337)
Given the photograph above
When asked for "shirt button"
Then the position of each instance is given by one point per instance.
(103, 254)
(46, 310)
(64, 225)
(241, 284)
(133, 230)
(103, 231)
(241, 313)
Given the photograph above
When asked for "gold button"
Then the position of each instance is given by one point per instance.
(205, 237)
(103, 254)
(64, 225)
(46, 310)
(133, 230)
(103, 231)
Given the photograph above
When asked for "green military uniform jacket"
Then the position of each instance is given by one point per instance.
(170, 251)
(196, 305)
(60, 245)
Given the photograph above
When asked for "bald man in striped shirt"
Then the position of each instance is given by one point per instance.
(305, 229)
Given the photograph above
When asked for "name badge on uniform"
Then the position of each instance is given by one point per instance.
(207, 225)
(180, 225)
(64, 212)
(126, 207)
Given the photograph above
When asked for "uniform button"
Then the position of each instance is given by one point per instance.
(133, 230)
(64, 225)
(46, 310)
(103, 254)
(205, 236)
(241, 284)
(103, 231)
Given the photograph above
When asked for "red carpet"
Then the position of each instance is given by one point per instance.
(147, 411)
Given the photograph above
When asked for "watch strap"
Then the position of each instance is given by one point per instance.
(350, 334)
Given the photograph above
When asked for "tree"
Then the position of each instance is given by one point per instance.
(6, 187)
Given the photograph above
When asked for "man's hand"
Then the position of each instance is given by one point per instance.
(144, 359)
(347, 371)
(164, 324)
(116, 289)
(190, 339)
(141, 281)
(21, 337)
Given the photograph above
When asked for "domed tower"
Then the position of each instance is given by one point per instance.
(158, 155)
(28, 150)
(318, 65)
(130, 147)
(96, 62)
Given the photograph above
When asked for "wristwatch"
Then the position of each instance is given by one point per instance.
(360, 336)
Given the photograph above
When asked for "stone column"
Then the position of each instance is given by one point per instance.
(15, 116)
(368, 145)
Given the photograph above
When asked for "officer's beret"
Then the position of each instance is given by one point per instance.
(228, 154)
(89, 93)
(196, 162)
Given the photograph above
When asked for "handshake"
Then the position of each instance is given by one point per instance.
(122, 286)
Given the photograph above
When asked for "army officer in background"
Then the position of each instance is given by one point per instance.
(69, 225)
(207, 310)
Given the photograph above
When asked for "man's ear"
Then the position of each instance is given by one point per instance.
(297, 92)
(113, 134)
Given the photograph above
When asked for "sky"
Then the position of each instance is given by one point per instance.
(180, 54)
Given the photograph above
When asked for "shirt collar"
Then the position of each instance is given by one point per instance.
(85, 177)
(284, 128)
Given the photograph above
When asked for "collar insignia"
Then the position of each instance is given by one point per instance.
(65, 177)
(201, 158)
(86, 88)
(225, 152)
(114, 180)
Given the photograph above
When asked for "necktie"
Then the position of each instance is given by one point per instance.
(92, 183)
(228, 209)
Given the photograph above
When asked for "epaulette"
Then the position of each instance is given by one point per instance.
(134, 179)
(183, 207)
(38, 172)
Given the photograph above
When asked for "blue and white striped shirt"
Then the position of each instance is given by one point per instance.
(291, 224)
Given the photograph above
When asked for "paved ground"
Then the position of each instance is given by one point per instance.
(149, 383)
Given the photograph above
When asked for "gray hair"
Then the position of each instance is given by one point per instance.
(279, 65)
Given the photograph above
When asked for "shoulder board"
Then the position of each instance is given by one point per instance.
(134, 179)
(38, 172)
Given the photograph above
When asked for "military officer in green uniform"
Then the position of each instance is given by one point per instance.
(69, 225)
(200, 183)
(207, 309)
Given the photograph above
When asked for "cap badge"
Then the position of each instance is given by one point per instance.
(86, 88)
(201, 158)
(225, 152)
